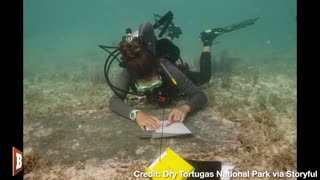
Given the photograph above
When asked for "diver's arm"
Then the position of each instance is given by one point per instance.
(198, 99)
(118, 106)
(116, 103)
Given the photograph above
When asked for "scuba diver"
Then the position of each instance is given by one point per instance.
(150, 71)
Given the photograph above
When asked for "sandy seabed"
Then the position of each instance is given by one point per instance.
(70, 133)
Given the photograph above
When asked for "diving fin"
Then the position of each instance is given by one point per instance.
(236, 26)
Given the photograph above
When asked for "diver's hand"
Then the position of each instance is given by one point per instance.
(179, 113)
(148, 121)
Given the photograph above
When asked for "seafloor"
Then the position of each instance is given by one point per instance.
(70, 132)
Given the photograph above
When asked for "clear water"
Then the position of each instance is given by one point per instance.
(69, 32)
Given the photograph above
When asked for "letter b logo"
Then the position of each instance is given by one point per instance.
(17, 159)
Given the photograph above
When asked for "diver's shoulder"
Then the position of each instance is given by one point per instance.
(172, 68)
(166, 62)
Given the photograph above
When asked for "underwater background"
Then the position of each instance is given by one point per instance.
(69, 131)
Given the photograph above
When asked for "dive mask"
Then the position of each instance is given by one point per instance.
(148, 87)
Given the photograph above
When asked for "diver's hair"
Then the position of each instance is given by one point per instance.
(141, 63)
